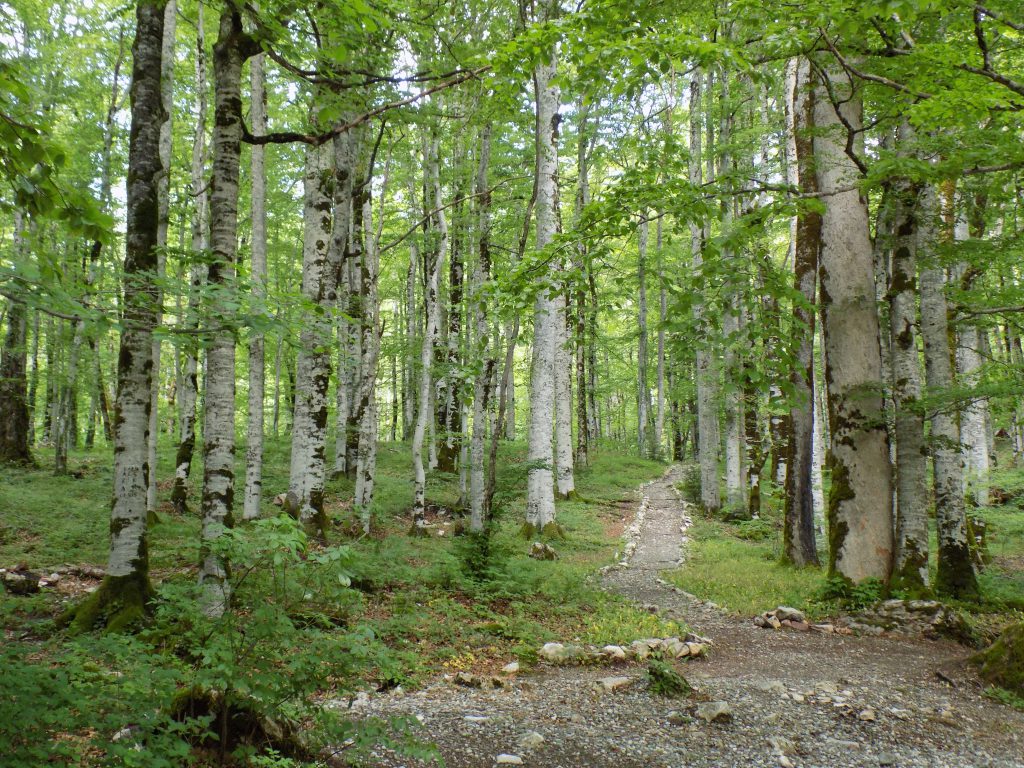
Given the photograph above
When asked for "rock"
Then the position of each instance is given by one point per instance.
(476, 718)
(677, 718)
(887, 758)
(553, 652)
(640, 649)
(867, 715)
(542, 551)
(827, 686)
(782, 745)
(771, 622)
(467, 679)
(785, 762)
(800, 626)
(825, 629)
(772, 686)
(20, 581)
(676, 648)
(785, 613)
(614, 652)
(651, 608)
(714, 711)
(531, 740)
(1002, 663)
(696, 649)
(279, 500)
(761, 621)
(508, 760)
(511, 668)
(798, 698)
(609, 684)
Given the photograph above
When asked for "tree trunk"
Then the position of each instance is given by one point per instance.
(121, 598)
(258, 274)
(435, 256)
(707, 389)
(955, 576)
(564, 452)
(860, 502)
(478, 511)
(659, 417)
(219, 402)
(643, 391)
(910, 569)
(167, 94)
(328, 170)
(14, 403)
(581, 267)
(190, 374)
(540, 500)
(798, 528)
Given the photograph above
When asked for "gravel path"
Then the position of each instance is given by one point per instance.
(796, 698)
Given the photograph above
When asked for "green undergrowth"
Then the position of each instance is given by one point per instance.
(740, 565)
(310, 621)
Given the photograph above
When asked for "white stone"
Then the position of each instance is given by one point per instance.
(508, 760)
(511, 668)
(531, 740)
(610, 684)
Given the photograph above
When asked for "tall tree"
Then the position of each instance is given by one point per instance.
(860, 500)
(121, 598)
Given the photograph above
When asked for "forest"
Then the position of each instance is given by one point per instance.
(511, 382)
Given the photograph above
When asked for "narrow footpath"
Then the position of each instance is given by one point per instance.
(794, 698)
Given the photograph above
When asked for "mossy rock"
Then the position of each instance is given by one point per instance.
(1002, 663)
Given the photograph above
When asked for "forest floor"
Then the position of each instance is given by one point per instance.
(794, 698)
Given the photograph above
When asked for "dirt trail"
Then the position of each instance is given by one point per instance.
(797, 699)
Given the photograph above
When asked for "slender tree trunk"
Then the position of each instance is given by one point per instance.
(478, 511)
(659, 418)
(581, 267)
(219, 410)
(122, 596)
(199, 243)
(435, 265)
(707, 395)
(910, 569)
(258, 275)
(322, 253)
(15, 416)
(564, 479)
(798, 528)
(955, 575)
(643, 385)
(860, 502)
(540, 501)
(167, 91)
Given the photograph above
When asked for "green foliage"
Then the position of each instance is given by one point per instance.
(850, 595)
(666, 681)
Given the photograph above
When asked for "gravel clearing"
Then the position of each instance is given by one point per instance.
(779, 698)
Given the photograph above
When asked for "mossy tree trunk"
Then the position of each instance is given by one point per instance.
(798, 527)
(955, 575)
(860, 502)
(121, 598)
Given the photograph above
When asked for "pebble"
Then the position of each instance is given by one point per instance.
(505, 759)
(714, 711)
(531, 740)
(609, 684)
(511, 668)
(867, 715)
(785, 762)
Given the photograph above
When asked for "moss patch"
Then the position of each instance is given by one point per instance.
(1002, 663)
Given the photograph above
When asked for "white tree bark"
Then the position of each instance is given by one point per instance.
(955, 575)
(659, 417)
(540, 500)
(707, 385)
(860, 503)
(799, 533)
(910, 569)
(325, 238)
(432, 307)
(128, 562)
(974, 418)
(219, 421)
(564, 451)
(258, 275)
(200, 195)
(643, 393)
(167, 95)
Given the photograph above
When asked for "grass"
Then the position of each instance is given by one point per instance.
(740, 565)
(413, 593)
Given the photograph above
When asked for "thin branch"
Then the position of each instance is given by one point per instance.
(313, 139)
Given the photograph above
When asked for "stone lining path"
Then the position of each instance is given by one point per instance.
(796, 698)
